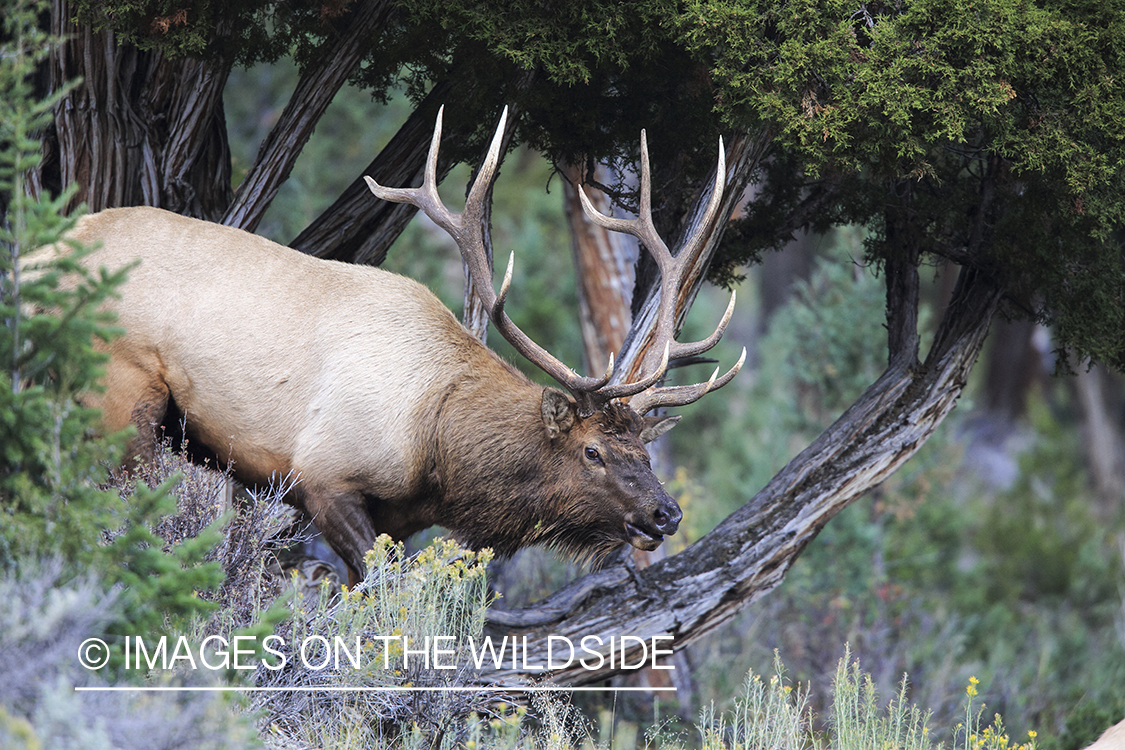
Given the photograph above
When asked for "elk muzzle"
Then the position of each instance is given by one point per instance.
(646, 528)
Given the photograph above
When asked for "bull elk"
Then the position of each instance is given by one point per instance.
(361, 383)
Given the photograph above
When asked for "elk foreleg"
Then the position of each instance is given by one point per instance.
(343, 520)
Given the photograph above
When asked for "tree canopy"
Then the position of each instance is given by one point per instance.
(986, 134)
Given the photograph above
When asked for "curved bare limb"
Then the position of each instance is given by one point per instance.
(692, 593)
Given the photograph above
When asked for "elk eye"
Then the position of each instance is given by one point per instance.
(592, 453)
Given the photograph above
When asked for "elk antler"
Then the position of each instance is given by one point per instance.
(465, 228)
(590, 393)
(673, 270)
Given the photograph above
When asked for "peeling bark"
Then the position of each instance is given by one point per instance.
(603, 268)
(140, 129)
(1102, 441)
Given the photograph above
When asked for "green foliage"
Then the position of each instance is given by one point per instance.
(48, 614)
(859, 723)
(880, 86)
(49, 463)
(762, 717)
(935, 573)
(833, 331)
(252, 30)
(777, 715)
(1085, 724)
(987, 133)
(602, 72)
(1043, 597)
(53, 464)
(1040, 538)
(569, 46)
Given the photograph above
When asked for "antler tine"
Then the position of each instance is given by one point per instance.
(475, 200)
(693, 348)
(502, 297)
(425, 197)
(641, 227)
(623, 390)
(580, 386)
(680, 395)
(695, 243)
(684, 260)
(465, 228)
(673, 270)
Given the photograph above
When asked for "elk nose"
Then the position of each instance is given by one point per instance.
(667, 517)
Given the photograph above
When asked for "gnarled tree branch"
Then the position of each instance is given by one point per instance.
(314, 92)
(746, 556)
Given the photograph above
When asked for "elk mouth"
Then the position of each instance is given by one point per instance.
(642, 538)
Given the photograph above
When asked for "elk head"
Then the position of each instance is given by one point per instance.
(601, 426)
(612, 495)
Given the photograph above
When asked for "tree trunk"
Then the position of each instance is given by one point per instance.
(746, 556)
(603, 263)
(139, 129)
(314, 92)
(1012, 365)
(1102, 441)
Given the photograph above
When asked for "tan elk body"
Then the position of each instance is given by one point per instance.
(364, 386)
(1111, 739)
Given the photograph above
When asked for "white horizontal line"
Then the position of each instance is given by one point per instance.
(393, 689)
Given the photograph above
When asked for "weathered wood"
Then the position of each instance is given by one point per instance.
(901, 271)
(140, 128)
(315, 91)
(603, 269)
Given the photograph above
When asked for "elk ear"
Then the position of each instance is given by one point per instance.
(657, 426)
(558, 412)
